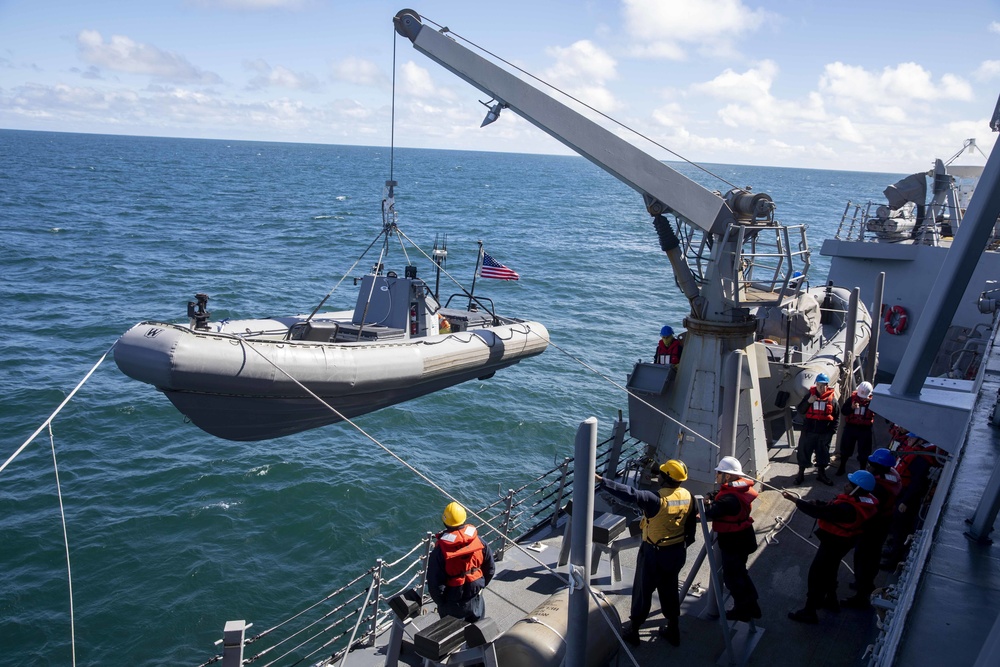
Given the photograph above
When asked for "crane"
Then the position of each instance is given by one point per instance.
(714, 394)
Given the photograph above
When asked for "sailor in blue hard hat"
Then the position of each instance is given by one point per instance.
(820, 414)
(868, 551)
(840, 524)
(669, 347)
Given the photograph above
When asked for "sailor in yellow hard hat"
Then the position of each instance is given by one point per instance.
(668, 527)
(459, 567)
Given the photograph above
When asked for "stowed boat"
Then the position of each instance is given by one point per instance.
(264, 378)
(908, 238)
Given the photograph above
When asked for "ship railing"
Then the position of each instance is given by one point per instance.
(356, 614)
(852, 221)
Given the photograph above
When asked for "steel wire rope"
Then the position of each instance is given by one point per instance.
(625, 389)
(308, 627)
(429, 258)
(581, 102)
(340, 590)
(344, 277)
(391, 453)
(607, 619)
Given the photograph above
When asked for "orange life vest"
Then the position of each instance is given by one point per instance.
(668, 354)
(463, 555)
(907, 454)
(820, 406)
(890, 484)
(858, 413)
(865, 508)
(746, 494)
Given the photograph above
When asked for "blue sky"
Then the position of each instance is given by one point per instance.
(870, 86)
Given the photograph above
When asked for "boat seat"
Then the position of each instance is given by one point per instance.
(320, 332)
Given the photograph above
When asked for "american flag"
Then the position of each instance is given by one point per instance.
(494, 269)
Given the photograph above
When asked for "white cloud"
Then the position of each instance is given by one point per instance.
(988, 70)
(994, 27)
(359, 71)
(416, 81)
(668, 28)
(581, 70)
(122, 54)
(277, 77)
(856, 87)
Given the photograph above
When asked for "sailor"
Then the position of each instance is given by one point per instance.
(858, 428)
(668, 349)
(668, 526)
(729, 511)
(459, 568)
(821, 412)
(916, 463)
(868, 550)
(839, 524)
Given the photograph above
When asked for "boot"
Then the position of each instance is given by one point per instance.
(821, 477)
(630, 634)
(842, 468)
(801, 476)
(671, 632)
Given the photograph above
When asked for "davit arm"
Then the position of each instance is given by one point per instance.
(663, 189)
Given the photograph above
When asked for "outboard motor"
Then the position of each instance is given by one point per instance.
(198, 313)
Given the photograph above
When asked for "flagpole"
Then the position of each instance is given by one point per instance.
(479, 263)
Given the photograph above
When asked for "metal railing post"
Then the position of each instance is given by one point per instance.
(618, 435)
(562, 488)
(505, 526)
(427, 559)
(232, 643)
(377, 584)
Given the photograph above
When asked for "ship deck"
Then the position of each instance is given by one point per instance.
(778, 568)
(942, 602)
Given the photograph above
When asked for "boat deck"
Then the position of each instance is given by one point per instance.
(779, 569)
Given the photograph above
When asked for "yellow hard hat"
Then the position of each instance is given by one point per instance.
(454, 515)
(675, 470)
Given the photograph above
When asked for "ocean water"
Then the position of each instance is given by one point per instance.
(172, 532)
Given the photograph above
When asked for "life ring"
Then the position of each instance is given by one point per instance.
(895, 320)
(768, 341)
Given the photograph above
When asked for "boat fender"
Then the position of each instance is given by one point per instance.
(895, 320)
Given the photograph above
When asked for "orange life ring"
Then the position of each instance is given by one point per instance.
(895, 320)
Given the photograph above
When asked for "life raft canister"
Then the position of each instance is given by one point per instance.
(895, 320)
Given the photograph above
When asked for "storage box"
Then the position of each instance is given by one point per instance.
(436, 641)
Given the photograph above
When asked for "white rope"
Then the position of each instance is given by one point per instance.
(625, 389)
(61, 406)
(407, 465)
(69, 572)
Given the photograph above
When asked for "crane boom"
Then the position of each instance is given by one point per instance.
(663, 188)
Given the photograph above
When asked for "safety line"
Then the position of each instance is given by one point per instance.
(69, 571)
(58, 409)
(635, 396)
(391, 453)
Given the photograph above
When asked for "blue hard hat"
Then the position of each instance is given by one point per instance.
(864, 479)
(822, 378)
(883, 457)
(666, 330)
